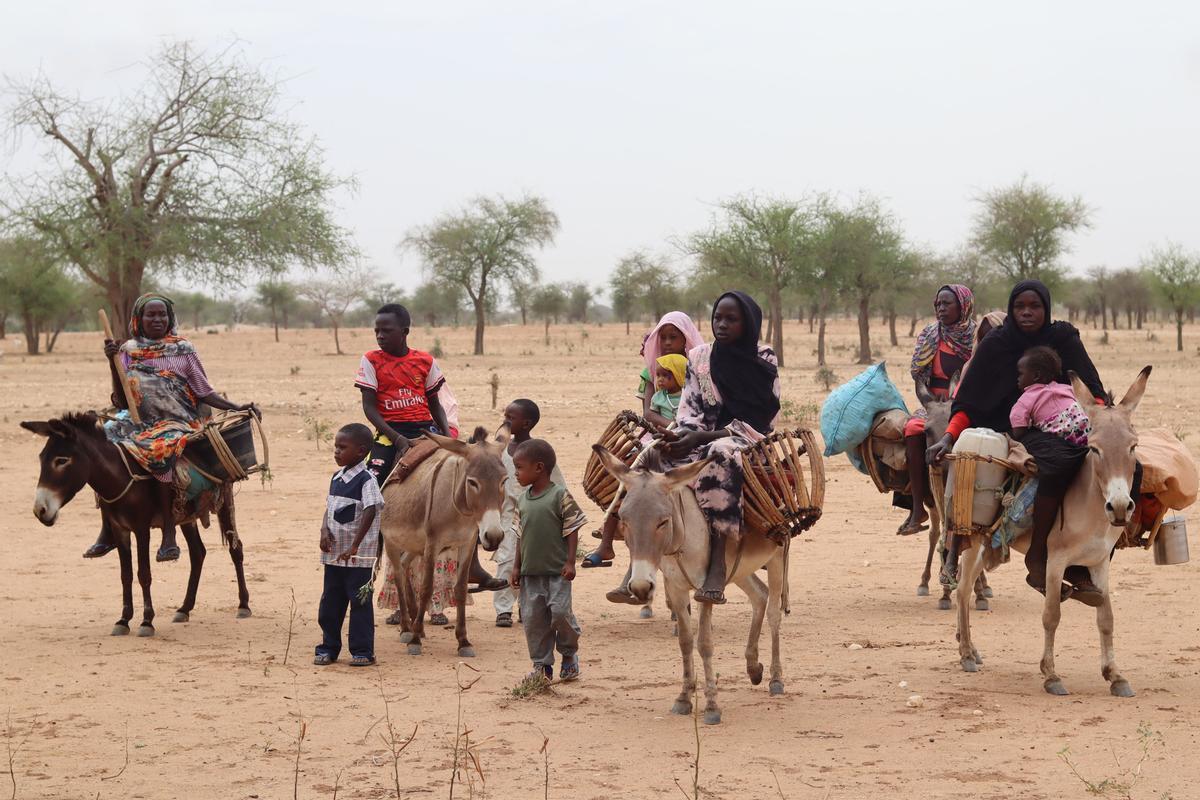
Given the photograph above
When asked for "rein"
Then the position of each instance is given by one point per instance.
(133, 478)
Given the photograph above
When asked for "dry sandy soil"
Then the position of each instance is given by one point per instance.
(211, 709)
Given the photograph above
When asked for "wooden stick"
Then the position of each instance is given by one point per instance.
(125, 387)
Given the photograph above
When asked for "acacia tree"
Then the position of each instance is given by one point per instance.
(276, 294)
(550, 301)
(579, 298)
(433, 301)
(521, 289)
(1177, 276)
(766, 242)
(484, 246)
(39, 292)
(198, 172)
(334, 294)
(1022, 229)
(625, 287)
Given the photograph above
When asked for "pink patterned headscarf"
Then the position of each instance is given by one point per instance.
(683, 323)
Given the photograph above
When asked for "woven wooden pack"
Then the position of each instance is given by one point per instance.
(213, 434)
(776, 498)
(886, 479)
(623, 438)
(958, 518)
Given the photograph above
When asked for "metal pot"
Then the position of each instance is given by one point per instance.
(1171, 546)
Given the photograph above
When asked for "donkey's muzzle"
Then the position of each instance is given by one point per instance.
(642, 590)
(46, 506)
(1119, 513)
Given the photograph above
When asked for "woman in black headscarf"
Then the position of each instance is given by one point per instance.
(730, 400)
(987, 394)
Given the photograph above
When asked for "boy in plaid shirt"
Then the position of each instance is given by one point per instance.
(349, 532)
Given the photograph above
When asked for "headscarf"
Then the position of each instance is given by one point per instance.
(139, 347)
(744, 380)
(960, 336)
(994, 319)
(989, 389)
(683, 323)
(677, 365)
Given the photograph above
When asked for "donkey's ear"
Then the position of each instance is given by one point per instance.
(612, 465)
(503, 434)
(40, 428)
(924, 396)
(1134, 396)
(1083, 395)
(682, 476)
(455, 446)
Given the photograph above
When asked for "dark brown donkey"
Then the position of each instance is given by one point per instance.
(78, 454)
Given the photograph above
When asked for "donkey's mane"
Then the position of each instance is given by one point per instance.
(81, 419)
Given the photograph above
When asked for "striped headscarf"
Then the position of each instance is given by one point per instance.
(139, 347)
(960, 336)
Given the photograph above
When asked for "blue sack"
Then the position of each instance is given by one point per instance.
(849, 411)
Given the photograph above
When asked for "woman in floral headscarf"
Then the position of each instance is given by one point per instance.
(943, 348)
(168, 383)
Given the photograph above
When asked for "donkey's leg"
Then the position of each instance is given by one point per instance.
(144, 579)
(935, 533)
(228, 522)
(405, 595)
(196, 553)
(679, 595)
(756, 590)
(121, 628)
(1104, 621)
(972, 565)
(465, 650)
(418, 633)
(776, 577)
(981, 597)
(712, 712)
(983, 583)
(1056, 566)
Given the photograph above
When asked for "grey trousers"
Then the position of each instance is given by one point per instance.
(548, 619)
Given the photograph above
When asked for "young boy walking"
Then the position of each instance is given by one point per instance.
(522, 416)
(545, 562)
(349, 540)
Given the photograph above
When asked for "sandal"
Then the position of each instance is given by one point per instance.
(569, 672)
(323, 659)
(593, 560)
(622, 595)
(438, 619)
(1040, 587)
(597, 534)
(167, 553)
(1087, 593)
(489, 585)
(394, 619)
(99, 549)
(362, 661)
(909, 528)
(540, 674)
(716, 598)
(504, 620)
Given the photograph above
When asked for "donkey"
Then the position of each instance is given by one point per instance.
(1095, 509)
(665, 530)
(76, 454)
(450, 499)
(938, 419)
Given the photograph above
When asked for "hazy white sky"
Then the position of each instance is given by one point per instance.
(633, 117)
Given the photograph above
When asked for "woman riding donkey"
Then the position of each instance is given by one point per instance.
(168, 383)
(986, 397)
(943, 348)
(730, 401)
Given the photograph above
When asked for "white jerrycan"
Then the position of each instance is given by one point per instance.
(989, 478)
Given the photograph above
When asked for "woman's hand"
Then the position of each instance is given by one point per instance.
(111, 348)
(252, 408)
(679, 445)
(939, 449)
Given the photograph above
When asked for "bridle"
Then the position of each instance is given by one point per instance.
(133, 478)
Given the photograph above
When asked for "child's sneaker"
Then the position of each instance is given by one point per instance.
(569, 671)
(539, 672)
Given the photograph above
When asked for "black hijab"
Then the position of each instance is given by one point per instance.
(989, 389)
(744, 380)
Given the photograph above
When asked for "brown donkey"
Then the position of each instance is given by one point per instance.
(450, 501)
(78, 454)
(1094, 512)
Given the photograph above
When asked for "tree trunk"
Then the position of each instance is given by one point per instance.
(776, 303)
(52, 339)
(480, 321)
(33, 332)
(821, 336)
(812, 315)
(864, 329)
(3, 325)
(891, 320)
(1116, 312)
(1104, 315)
(1179, 330)
(627, 326)
(275, 322)
(546, 336)
(1141, 317)
(912, 325)
(337, 342)
(524, 321)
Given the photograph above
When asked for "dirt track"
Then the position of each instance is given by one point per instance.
(210, 710)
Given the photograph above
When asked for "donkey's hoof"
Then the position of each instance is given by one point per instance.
(466, 652)
(776, 688)
(681, 707)
(1121, 688)
(969, 664)
(923, 590)
(243, 612)
(943, 604)
(180, 616)
(755, 672)
(145, 630)
(414, 649)
(120, 629)
(646, 613)
(1056, 687)
(981, 604)
(987, 591)
(712, 717)
(405, 637)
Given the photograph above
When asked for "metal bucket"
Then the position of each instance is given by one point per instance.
(1171, 546)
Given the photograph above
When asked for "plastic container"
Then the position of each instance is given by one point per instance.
(989, 478)
(1170, 545)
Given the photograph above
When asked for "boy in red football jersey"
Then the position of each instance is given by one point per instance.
(400, 388)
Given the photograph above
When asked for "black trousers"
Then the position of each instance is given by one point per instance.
(342, 585)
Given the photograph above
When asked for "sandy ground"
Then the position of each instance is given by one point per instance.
(211, 709)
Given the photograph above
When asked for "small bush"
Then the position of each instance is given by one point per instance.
(1104, 338)
(826, 377)
(436, 351)
(531, 686)
(294, 370)
(802, 413)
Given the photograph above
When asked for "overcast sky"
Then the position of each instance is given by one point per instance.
(632, 118)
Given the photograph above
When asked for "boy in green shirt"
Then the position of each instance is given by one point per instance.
(550, 520)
